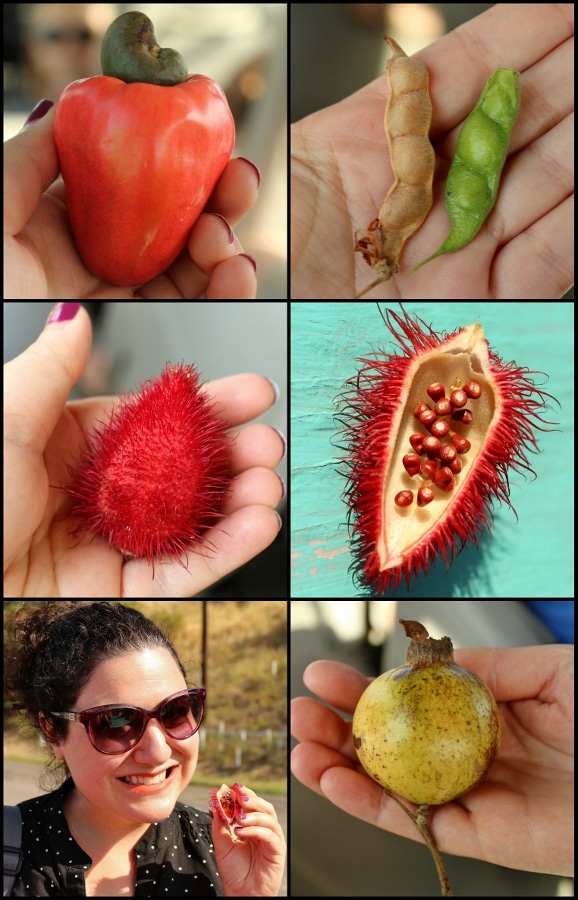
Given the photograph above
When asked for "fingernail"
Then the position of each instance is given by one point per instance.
(251, 260)
(62, 312)
(241, 814)
(275, 387)
(283, 438)
(39, 112)
(283, 486)
(254, 167)
(227, 226)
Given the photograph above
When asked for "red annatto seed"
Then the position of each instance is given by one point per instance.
(461, 444)
(473, 389)
(404, 498)
(448, 453)
(425, 495)
(465, 416)
(440, 429)
(458, 398)
(411, 463)
(431, 447)
(436, 391)
(456, 466)
(443, 407)
(444, 479)
(421, 407)
(427, 418)
(416, 441)
(428, 469)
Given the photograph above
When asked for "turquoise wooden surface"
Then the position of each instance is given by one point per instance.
(529, 558)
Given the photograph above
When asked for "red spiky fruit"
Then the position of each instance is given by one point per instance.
(379, 417)
(153, 476)
(224, 801)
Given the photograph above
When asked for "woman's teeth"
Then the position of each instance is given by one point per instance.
(142, 779)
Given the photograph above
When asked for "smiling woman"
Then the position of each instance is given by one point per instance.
(107, 690)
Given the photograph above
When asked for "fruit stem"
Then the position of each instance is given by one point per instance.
(421, 821)
(424, 650)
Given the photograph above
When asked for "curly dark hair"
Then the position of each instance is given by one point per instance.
(52, 648)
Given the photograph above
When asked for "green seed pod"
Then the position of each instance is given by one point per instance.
(481, 149)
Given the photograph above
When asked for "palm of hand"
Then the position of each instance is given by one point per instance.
(519, 816)
(341, 173)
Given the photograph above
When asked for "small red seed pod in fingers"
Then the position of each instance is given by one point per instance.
(224, 801)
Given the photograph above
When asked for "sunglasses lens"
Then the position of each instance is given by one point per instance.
(116, 730)
(182, 716)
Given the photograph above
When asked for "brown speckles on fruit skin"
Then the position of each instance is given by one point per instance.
(424, 706)
(428, 731)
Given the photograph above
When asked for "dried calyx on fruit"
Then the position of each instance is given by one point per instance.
(428, 731)
(224, 801)
(467, 416)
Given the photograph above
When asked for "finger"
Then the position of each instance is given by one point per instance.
(238, 399)
(309, 719)
(36, 385)
(513, 673)
(234, 279)
(257, 445)
(256, 485)
(236, 191)
(211, 242)
(236, 540)
(310, 760)
(242, 397)
(30, 167)
(337, 683)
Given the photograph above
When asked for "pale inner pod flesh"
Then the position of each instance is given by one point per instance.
(464, 359)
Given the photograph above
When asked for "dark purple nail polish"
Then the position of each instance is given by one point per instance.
(62, 312)
(254, 167)
(251, 260)
(230, 230)
(39, 111)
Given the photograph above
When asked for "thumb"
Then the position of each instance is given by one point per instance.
(223, 841)
(30, 167)
(36, 386)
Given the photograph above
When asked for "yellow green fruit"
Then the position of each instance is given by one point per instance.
(429, 730)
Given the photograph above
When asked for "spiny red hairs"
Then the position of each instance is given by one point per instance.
(153, 476)
(422, 470)
(224, 801)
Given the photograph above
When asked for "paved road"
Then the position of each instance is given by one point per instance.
(21, 783)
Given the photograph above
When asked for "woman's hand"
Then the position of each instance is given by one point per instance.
(41, 261)
(251, 866)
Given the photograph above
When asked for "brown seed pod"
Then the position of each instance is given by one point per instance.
(408, 201)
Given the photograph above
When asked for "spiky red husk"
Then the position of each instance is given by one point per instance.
(153, 476)
(370, 412)
(224, 801)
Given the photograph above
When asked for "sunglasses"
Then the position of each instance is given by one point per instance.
(116, 729)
